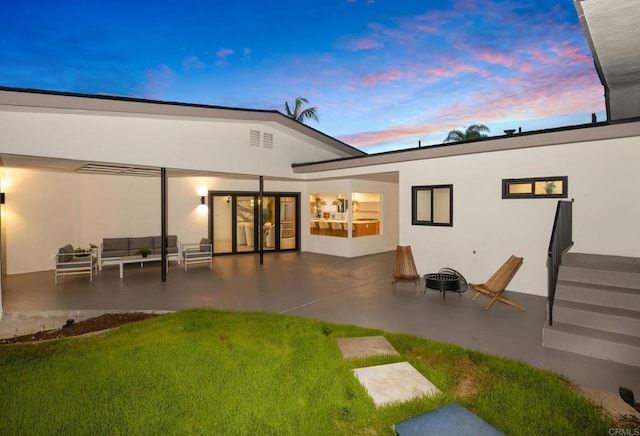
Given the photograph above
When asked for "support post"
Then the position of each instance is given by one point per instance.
(261, 219)
(163, 222)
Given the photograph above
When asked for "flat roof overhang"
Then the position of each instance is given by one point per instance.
(568, 135)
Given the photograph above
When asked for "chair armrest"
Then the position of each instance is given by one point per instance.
(74, 261)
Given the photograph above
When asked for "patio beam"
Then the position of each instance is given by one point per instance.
(163, 223)
(261, 219)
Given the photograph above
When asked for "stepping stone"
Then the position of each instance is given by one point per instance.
(394, 383)
(452, 419)
(365, 346)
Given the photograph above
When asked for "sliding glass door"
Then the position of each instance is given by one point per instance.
(234, 226)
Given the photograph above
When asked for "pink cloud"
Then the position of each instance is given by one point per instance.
(543, 94)
(387, 32)
(440, 72)
(223, 53)
(156, 81)
(192, 63)
(571, 52)
(538, 55)
(496, 58)
(362, 139)
(424, 28)
(363, 44)
(383, 77)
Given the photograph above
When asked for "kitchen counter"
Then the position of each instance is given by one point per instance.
(361, 227)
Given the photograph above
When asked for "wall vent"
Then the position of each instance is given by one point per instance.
(122, 170)
(254, 138)
(267, 140)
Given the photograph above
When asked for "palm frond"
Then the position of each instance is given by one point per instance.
(298, 113)
(455, 136)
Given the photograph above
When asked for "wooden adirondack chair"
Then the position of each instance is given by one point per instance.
(405, 269)
(498, 281)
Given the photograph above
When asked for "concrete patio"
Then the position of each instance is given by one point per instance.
(342, 290)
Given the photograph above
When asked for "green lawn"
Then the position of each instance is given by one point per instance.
(214, 372)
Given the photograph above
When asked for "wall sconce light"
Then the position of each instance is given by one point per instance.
(202, 207)
(1, 197)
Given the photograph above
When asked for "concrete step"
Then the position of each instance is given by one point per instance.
(618, 271)
(601, 295)
(613, 320)
(600, 344)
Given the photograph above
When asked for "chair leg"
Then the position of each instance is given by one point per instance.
(493, 300)
(505, 300)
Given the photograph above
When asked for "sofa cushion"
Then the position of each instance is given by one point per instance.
(114, 253)
(172, 241)
(135, 244)
(67, 253)
(109, 244)
(204, 245)
(172, 244)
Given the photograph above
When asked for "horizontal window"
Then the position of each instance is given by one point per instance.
(535, 187)
(432, 205)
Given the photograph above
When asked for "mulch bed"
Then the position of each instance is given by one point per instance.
(99, 323)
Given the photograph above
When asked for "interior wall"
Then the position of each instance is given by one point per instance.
(353, 247)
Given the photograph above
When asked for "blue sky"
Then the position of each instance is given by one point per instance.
(383, 74)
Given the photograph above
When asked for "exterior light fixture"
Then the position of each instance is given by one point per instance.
(1, 197)
(202, 199)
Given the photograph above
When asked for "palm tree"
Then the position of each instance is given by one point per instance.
(474, 131)
(298, 114)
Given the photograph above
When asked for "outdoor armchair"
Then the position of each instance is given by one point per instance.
(405, 268)
(198, 253)
(498, 282)
(69, 263)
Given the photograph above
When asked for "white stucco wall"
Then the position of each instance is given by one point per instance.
(188, 143)
(603, 179)
(46, 210)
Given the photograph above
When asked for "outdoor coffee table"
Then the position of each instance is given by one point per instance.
(446, 279)
(137, 259)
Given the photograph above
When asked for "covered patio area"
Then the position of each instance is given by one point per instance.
(335, 289)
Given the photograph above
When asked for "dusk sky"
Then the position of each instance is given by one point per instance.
(383, 74)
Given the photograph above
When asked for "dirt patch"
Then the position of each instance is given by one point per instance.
(622, 414)
(91, 325)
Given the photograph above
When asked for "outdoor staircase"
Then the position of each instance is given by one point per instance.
(597, 308)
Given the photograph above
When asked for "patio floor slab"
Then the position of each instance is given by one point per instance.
(394, 383)
(365, 346)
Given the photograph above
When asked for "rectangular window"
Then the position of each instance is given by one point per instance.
(335, 214)
(432, 205)
(535, 187)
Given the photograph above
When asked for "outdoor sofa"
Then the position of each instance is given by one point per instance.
(113, 248)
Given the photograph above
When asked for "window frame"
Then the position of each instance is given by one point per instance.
(506, 183)
(414, 205)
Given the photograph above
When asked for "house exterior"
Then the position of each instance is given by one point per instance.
(51, 199)
(77, 168)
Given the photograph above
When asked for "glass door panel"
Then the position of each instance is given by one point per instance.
(222, 224)
(270, 227)
(245, 223)
(288, 224)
